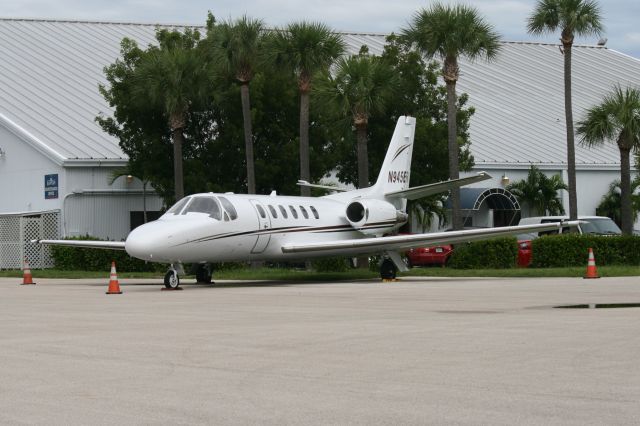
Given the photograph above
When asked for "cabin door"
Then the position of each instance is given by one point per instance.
(264, 225)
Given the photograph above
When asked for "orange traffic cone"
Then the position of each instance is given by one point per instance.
(592, 272)
(114, 286)
(27, 278)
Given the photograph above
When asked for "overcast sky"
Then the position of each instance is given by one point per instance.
(621, 17)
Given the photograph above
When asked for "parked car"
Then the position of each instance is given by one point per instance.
(598, 225)
(595, 225)
(429, 256)
(524, 249)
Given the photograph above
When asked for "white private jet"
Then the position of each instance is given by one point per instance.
(208, 228)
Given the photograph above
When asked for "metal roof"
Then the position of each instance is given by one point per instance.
(50, 71)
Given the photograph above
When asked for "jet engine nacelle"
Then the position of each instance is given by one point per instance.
(374, 216)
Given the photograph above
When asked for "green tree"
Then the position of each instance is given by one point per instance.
(238, 48)
(451, 32)
(571, 17)
(306, 48)
(539, 192)
(611, 201)
(172, 77)
(420, 95)
(617, 119)
(360, 86)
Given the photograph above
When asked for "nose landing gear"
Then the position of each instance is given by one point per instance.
(172, 279)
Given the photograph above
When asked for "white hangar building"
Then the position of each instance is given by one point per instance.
(56, 163)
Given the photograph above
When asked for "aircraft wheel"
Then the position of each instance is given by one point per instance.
(203, 274)
(171, 279)
(388, 270)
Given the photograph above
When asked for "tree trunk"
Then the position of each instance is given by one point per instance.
(626, 212)
(178, 178)
(454, 168)
(248, 138)
(305, 172)
(363, 156)
(571, 153)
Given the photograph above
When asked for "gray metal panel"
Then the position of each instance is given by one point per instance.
(104, 215)
(51, 70)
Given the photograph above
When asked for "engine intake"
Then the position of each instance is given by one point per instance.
(374, 216)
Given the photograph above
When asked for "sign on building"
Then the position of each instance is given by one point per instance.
(51, 186)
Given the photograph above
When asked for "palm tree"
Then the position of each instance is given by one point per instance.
(238, 48)
(306, 48)
(360, 86)
(539, 192)
(610, 203)
(617, 119)
(173, 77)
(571, 17)
(451, 32)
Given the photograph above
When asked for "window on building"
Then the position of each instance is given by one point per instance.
(136, 218)
(273, 211)
(283, 211)
(304, 212)
(315, 212)
(293, 212)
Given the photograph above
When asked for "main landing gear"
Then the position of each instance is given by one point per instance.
(203, 273)
(388, 270)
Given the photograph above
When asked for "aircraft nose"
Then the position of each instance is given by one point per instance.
(148, 242)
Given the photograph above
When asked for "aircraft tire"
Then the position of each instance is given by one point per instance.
(387, 270)
(171, 279)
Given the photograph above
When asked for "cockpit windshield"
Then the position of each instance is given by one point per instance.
(178, 206)
(207, 205)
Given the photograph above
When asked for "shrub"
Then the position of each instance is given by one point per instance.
(90, 259)
(498, 253)
(572, 250)
(330, 264)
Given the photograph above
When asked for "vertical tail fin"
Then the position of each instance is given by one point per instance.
(396, 168)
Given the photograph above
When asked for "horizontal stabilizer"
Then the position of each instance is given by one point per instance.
(436, 188)
(110, 245)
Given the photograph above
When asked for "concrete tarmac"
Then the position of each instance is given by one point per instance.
(419, 351)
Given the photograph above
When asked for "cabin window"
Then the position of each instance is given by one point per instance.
(293, 212)
(263, 214)
(178, 206)
(233, 214)
(283, 211)
(273, 211)
(315, 212)
(226, 217)
(204, 205)
(304, 212)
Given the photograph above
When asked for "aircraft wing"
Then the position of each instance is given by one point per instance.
(405, 242)
(113, 245)
(436, 188)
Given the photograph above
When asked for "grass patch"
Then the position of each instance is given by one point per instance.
(603, 271)
(274, 274)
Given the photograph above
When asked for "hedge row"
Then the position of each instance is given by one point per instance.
(498, 253)
(572, 250)
(88, 259)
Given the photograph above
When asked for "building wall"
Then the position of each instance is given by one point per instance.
(22, 171)
(105, 216)
(592, 184)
